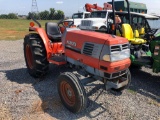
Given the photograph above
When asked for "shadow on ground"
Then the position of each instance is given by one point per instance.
(143, 83)
(47, 89)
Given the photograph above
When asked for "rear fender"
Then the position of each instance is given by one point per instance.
(44, 37)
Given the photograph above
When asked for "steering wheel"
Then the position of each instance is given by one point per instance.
(150, 34)
(65, 23)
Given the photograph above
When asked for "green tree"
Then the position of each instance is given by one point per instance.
(9, 16)
(59, 15)
(44, 15)
(12, 16)
(4, 16)
(51, 15)
(29, 15)
(35, 15)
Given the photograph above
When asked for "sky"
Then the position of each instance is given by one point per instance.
(22, 7)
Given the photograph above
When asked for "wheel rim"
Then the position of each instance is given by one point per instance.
(29, 56)
(67, 93)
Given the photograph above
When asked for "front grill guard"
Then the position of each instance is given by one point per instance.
(115, 75)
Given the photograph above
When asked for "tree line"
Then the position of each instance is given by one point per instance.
(9, 16)
(52, 14)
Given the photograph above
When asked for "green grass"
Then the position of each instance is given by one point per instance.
(132, 91)
(15, 29)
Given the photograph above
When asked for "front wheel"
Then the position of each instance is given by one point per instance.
(72, 92)
(35, 55)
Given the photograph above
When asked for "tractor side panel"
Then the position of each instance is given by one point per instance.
(87, 60)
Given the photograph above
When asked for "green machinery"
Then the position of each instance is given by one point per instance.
(143, 32)
(134, 6)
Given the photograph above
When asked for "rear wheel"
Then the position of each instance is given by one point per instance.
(35, 55)
(72, 92)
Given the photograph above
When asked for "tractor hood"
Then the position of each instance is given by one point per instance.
(79, 37)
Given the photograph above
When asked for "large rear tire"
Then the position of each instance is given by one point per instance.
(35, 55)
(72, 92)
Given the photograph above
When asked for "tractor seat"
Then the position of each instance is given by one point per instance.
(128, 33)
(53, 32)
(141, 31)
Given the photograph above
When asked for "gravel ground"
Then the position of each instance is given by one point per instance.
(25, 98)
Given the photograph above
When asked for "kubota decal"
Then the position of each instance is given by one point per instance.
(71, 43)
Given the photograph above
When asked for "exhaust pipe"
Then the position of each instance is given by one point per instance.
(32, 17)
(114, 22)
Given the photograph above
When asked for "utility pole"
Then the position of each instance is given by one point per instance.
(34, 7)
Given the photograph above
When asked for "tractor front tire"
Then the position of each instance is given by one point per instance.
(35, 55)
(72, 92)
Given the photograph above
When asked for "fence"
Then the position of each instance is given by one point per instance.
(14, 23)
(42, 15)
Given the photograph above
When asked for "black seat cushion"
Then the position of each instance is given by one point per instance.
(53, 31)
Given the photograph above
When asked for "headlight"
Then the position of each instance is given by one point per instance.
(106, 58)
(117, 56)
(120, 56)
(115, 53)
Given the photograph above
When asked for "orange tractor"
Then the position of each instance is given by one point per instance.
(98, 56)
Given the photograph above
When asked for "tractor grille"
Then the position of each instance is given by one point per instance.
(88, 48)
(86, 23)
(119, 48)
(115, 48)
(125, 46)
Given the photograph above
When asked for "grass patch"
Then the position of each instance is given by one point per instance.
(15, 29)
(132, 91)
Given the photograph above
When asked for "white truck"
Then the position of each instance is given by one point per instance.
(77, 17)
(97, 21)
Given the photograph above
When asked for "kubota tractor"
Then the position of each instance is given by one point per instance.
(98, 56)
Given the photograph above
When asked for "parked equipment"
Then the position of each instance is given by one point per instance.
(95, 56)
(92, 7)
(142, 31)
